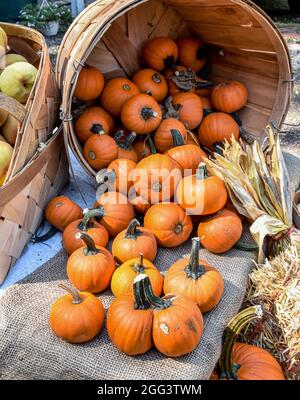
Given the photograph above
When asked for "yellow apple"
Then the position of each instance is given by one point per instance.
(17, 80)
(6, 152)
(2, 139)
(13, 58)
(10, 129)
(3, 38)
(3, 117)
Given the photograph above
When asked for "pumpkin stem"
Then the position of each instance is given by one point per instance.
(98, 129)
(97, 212)
(90, 249)
(129, 140)
(245, 246)
(139, 266)
(105, 175)
(156, 78)
(119, 134)
(170, 62)
(154, 301)
(85, 224)
(171, 110)
(201, 172)
(195, 270)
(77, 299)
(148, 113)
(228, 370)
(48, 235)
(207, 111)
(151, 144)
(187, 80)
(177, 138)
(140, 301)
(132, 230)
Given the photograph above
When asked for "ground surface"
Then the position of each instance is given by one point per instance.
(290, 28)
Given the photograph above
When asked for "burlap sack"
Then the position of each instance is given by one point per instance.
(29, 349)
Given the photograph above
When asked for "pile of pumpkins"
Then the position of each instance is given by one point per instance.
(17, 77)
(153, 133)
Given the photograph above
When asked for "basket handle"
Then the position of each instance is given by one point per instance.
(12, 107)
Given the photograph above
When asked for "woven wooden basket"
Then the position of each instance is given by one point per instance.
(247, 46)
(24, 197)
(38, 116)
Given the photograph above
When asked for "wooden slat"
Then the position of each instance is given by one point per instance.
(233, 36)
(201, 3)
(169, 25)
(19, 46)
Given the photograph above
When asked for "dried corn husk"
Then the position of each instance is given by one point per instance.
(275, 286)
(259, 188)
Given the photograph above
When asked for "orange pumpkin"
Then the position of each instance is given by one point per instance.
(169, 223)
(163, 138)
(100, 150)
(141, 114)
(123, 277)
(86, 225)
(156, 178)
(125, 148)
(115, 94)
(151, 82)
(113, 211)
(61, 211)
(93, 120)
(206, 104)
(160, 53)
(201, 194)
(191, 53)
(229, 96)
(90, 268)
(89, 84)
(190, 110)
(220, 232)
(174, 323)
(140, 205)
(241, 361)
(217, 127)
(144, 146)
(195, 279)
(117, 177)
(132, 241)
(187, 156)
(76, 317)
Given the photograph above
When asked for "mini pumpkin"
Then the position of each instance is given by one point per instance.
(89, 84)
(241, 361)
(87, 225)
(151, 82)
(169, 223)
(201, 194)
(141, 114)
(93, 120)
(144, 146)
(156, 177)
(117, 177)
(220, 232)
(160, 53)
(187, 156)
(90, 268)
(113, 211)
(123, 277)
(174, 323)
(190, 109)
(196, 279)
(217, 127)
(229, 96)
(61, 211)
(99, 150)
(115, 94)
(125, 148)
(191, 53)
(163, 138)
(132, 241)
(76, 317)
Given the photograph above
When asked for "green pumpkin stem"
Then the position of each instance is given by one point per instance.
(195, 270)
(139, 266)
(148, 113)
(98, 129)
(97, 212)
(154, 301)
(90, 249)
(129, 140)
(105, 175)
(228, 370)
(170, 62)
(201, 172)
(132, 231)
(140, 301)
(77, 299)
(177, 138)
(151, 144)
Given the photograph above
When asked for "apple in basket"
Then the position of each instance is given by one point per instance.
(3, 38)
(17, 80)
(14, 58)
(6, 152)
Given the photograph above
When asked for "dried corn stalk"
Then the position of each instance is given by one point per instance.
(275, 286)
(259, 188)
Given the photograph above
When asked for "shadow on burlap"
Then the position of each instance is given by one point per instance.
(29, 349)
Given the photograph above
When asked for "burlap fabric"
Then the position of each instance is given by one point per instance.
(29, 349)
